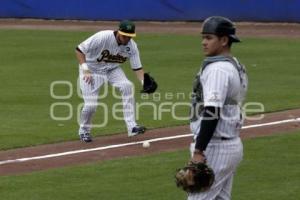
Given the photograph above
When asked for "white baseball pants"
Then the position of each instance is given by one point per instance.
(90, 92)
(223, 156)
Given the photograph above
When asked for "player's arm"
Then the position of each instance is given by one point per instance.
(82, 61)
(208, 126)
(88, 46)
(136, 65)
(80, 56)
(139, 74)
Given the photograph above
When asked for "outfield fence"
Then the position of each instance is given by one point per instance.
(155, 10)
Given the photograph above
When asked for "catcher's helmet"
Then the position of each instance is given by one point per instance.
(220, 26)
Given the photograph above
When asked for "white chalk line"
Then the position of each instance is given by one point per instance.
(131, 143)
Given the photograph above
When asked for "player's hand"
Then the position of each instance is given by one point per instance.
(87, 76)
(198, 157)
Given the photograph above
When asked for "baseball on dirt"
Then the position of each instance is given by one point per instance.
(146, 144)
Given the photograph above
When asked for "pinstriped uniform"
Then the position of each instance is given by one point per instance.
(222, 85)
(103, 57)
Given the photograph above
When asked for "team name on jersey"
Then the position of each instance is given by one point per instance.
(107, 57)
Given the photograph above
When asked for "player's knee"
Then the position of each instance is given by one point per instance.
(126, 88)
(89, 108)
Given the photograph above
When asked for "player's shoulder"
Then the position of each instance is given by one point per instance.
(132, 46)
(222, 66)
(132, 43)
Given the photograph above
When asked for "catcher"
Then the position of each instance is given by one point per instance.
(216, 116)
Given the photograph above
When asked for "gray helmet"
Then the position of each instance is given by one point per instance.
(220, 26)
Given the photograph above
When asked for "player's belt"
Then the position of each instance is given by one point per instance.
(221, 138)
(224, 138)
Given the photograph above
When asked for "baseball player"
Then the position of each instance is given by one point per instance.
(100, 57)
(218, 92)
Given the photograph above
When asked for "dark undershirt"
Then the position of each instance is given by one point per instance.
(209, 123)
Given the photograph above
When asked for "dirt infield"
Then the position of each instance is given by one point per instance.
(60, 160)
(249, 29)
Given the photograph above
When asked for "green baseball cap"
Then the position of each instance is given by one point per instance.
(127, 28)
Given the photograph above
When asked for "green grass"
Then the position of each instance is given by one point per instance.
(31, 60)
(270, 170)
(273, 72)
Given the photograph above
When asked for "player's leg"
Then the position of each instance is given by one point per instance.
(217, 192)
(118, 79)
(235, 151)
(225, 193)
(215, 188)
(223, 158)
(90, 96)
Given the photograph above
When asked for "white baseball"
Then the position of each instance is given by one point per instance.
(146, 144)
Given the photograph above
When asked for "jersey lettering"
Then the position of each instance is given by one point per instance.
(107, 57)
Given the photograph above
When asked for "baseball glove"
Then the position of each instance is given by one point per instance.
(149, 84)
(195, 177)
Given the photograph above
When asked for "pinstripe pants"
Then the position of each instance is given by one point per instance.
(90, 92)
(223, 156)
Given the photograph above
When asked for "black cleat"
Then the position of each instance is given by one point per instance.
(86, 137)
(137, 130)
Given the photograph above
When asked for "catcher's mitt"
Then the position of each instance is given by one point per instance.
(149, 84)
(195, 177)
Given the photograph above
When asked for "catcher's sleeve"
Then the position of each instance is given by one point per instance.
(209, 123)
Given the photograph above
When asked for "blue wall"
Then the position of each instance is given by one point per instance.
(170, 10)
